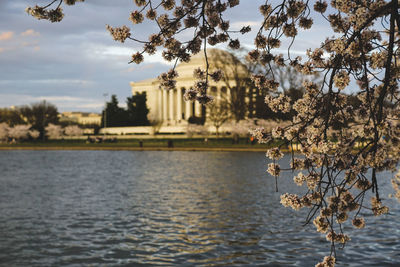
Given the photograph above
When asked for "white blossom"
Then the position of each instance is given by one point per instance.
(19, 132)
(54, 131)
(73, 130)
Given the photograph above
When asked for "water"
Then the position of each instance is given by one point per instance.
(116, 208)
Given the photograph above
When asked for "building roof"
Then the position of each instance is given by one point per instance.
(217, 59)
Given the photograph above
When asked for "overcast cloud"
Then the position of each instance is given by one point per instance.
(73, 63)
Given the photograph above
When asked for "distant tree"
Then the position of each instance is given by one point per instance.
(193, 129)
(247, 100)
(39, 115)
(290, 84)
(236, 79)
(241, 128)
(11, 116)
(137, 110)
(155, 124)
(4, 128)
(73, 130)
(53, 131)
(19, 132)
(196, 120)
(34, 134)
(218, 114)
(95, 127)
(113, 115)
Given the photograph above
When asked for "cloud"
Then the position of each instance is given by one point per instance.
(30, 32)
(61, 98)
(63, 102)
(137, 68)
(2, 49)
(94, 106)
(126, 53)
(73, 103)
(27, 44)
(61, 81)
(6, 36)
(51, 81)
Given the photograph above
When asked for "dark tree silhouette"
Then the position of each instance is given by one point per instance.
(113, 115)
(137, 110)
(39, 115)
(11, 116)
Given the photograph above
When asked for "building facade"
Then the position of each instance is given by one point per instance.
(82, 118)
(169, 106)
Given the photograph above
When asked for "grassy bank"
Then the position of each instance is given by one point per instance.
(221, 144)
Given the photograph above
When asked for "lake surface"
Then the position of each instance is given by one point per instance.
(123, 208)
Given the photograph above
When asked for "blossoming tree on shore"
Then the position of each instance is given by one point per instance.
(54, 131)
(19, 131)
(4, 128)
(34, 134)
(362, 54)
(73, 130)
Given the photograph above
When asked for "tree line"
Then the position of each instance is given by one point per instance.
(135, 113)
(37, 115)
(42, 114)
(21, 132)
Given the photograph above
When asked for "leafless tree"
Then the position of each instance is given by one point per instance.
(218, 114)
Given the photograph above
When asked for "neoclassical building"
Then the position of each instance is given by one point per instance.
(83, 118)
(169, 106)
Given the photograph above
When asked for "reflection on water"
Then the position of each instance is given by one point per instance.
(164, 208)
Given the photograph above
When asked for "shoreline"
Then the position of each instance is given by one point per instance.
(126, 148)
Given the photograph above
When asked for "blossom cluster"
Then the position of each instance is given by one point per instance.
(53, 15)
(329, 261)
(280, 103)
(120, 33)
(274, 169)
(17, 132)
(274, 153)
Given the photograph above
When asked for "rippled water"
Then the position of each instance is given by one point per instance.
(165, 208)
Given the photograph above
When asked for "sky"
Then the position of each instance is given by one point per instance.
(76, 65)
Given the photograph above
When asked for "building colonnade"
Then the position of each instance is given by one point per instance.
(172, 108)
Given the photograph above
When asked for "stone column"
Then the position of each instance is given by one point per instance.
(160, 104)
(179, 106)
(164, 104)
(188, 109)
(171, 105)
